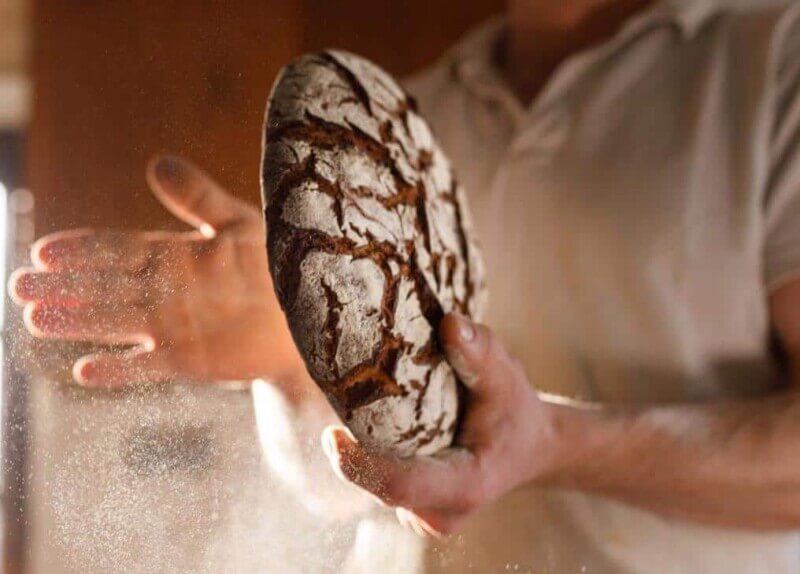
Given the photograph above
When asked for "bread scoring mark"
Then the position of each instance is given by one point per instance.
(331, 330)
(350, 79)
(326, 135)
(304, 241)
(424, 434)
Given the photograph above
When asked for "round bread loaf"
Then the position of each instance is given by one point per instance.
(369, 244)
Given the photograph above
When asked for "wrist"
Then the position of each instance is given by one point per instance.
(573, 440)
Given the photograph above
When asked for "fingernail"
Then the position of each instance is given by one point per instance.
(47, 253)
(466, 330)
(207, 231)
(169, 169)
(402, 516)
(83, 371)
(331, 449)
(329, 443)
(44, 319)
(20, 287)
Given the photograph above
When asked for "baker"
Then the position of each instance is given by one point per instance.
(634, 172)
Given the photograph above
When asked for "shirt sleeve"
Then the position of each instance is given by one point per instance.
(782, 200)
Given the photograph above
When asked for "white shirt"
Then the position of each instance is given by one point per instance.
(634, 218)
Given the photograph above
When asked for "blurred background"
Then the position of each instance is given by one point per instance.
(89, 90)
(168, 480)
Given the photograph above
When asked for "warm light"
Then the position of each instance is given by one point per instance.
(4, 263)
(4, 271)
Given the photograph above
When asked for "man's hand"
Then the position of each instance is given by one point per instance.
(197, 305)
(505, 441)
(730, 463)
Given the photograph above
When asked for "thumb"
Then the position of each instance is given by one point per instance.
(475, 353)
(192, 196)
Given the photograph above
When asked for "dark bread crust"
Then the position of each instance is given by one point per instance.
(369, 246)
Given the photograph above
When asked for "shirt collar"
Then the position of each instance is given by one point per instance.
(690, 15)
(472, 59)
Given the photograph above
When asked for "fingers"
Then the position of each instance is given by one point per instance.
(451, 480)
(123, 325)
(432, 495)
(430, 522)
(192, 196)
(118, 370)
(435, 493)
(27, 285)
(415, 523)
(90, 249)
(476, 354)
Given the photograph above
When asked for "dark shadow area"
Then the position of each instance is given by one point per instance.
(11, 161)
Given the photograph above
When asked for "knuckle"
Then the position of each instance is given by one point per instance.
(494, 353)
(446, 527)
(489, 347)
(498, 358)
(396, 489)
(483, 473)
(473, 498)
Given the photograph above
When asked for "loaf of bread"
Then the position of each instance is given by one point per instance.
(370, 245)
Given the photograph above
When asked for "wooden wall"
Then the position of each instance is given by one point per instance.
(116, 82)
(13, 36)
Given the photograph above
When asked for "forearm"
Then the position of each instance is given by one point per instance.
(733, 464)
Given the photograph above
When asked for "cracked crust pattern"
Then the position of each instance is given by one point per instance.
(370, 244)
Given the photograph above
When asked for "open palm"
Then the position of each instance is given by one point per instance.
(196, 305)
